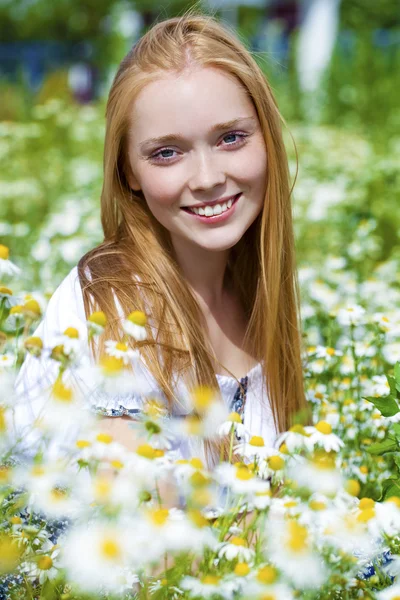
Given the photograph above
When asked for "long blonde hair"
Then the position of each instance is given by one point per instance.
(261, 265)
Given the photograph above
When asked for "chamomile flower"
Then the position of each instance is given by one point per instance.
(321, 435)
(7, 361)
(206, 587)
(390, 593)
(254, 449)
(46, 566)
(135, 325)
(352, 314)
(70, 342)
(320, 474)
(290, 545)
(235, 548)
(95, 556)
(234, 422)
(296, 438)
(96, 322)
(6, 266)
(121, 350)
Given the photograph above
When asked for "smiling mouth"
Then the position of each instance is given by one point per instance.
(213, 211)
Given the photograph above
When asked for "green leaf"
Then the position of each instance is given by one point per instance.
(390, 488)
(392, 384)
(387, 405)
(387, 445)
(397, 375)
(396, 459)
(395, 428)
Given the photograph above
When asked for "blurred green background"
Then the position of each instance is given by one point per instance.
(57, 60)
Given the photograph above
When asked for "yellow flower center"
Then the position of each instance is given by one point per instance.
(234, 417)
(366, 515)
(33, 342)
(5, 290)
(62, 392)
(242, 569)
(57, 494)
(198, 479)
(110, 549)
(202, 396)
(330, 351)
(237, 541)
(111, 365)
(104, 438)
(32, 306)
(196, 462)
(256, 440)
(267, 597)
(290, 504)
(267, 575)
(317, 505)
(318, 395)
(4, 252)
(102, 488)
(45, 563)
(283, 449)
(364, 469)
(395, 500)
(276, 463)
(323, 460)
(16, 310)
(121, 346)
(210, 580)
(297, 539)
(3, 425)
(197, 518)
(366, 503)
(99, 318)
(193, 425)
(146, 451)
(324, 427)
(298, 429)
(10, 553)
(159, 516)
(37, 471)
(353, 487)
(72, 333)
(117, 464)
(243, 473)
(83, 443)
(138, 318)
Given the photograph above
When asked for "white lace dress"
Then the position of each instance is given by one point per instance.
(66, 309)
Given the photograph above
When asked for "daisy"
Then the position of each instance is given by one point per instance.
(96, 323)
(321, 435)
(317, 475)
(206, 587)
(7, 361)
(327, 353)
(95, 556)
(122, 350)
(47, 565)
(254, 449)
(234, 423)
(70, 342)
(241, 479)
(296, 438)
(135, 325)
(235, 548)
(6, 266)
(353, 314)
(291, 549)
(390, 593)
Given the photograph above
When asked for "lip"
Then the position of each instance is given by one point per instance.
(213, 203)
(217, 218)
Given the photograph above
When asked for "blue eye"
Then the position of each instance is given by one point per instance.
(160, 158)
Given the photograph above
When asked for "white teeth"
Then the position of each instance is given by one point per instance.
(209, 211)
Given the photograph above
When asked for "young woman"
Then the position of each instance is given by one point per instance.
(197, 221)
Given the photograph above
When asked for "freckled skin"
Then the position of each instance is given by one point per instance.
(204, 166)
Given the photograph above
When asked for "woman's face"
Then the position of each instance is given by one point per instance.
(201, 158)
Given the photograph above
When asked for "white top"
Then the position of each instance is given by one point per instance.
(66, 309)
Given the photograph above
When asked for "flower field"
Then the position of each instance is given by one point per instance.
(317, 516)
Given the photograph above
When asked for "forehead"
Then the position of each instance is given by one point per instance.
(187, 102)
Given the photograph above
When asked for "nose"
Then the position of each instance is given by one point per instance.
(206, 172)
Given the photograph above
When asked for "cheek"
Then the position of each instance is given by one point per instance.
(160, 188)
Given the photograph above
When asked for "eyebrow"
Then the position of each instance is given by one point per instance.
(180, 137)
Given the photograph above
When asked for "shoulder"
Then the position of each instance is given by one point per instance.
(65, 309)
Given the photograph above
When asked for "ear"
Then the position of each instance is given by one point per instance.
(133, 182)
